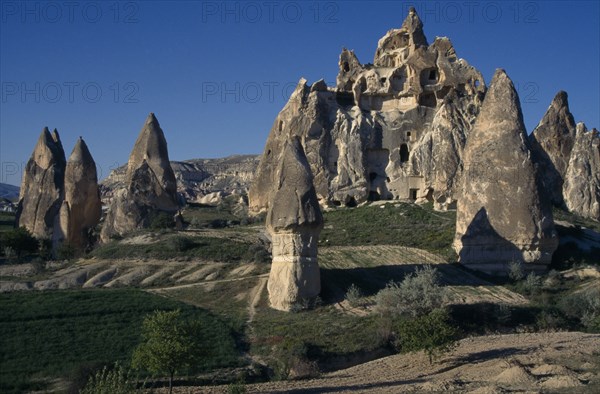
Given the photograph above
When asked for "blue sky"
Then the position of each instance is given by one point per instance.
(216, 73)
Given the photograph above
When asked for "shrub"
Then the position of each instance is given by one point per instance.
(291, 360)
(20, 240)
(533, 283)
(432, 333)
(585, 306)
(417, 295)
(115, 381)
(236, 388)
(180, 243)
(353, 295)
(162, 220)
(515, 271)
(65, 252)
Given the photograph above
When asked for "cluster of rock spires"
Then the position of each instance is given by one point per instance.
(418, 124)
(395, 129)
(60, 200)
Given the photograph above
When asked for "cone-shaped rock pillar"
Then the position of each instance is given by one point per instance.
(294, 221)
(502, 216)
(151, 187)
(41, 192)
(81, 208)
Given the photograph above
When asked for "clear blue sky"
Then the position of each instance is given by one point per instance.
(216, 74)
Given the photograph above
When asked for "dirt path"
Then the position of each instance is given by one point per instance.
(207, 283)
(254, 298)
(567, 362)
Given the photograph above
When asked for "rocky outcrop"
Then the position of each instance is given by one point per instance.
(81, 208)
(42, 191)
(294, 221)
(151, 188)
(551, 145)
(581, 188)
(373, 136)
(501, 215)
(199, 180)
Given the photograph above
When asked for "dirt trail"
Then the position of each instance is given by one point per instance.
(254, 298)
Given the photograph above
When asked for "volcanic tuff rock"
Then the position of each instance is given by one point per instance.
(41, 191)
(199, 180)
(551, 145)
(581, 189)
(294, 221)
(81, 208)
(378, 133)
(501, 215)
(150, 189)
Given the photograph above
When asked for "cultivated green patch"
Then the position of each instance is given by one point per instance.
(51, 335)
(395, 223)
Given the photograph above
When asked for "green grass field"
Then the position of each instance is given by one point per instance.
(401, 224)
(48, 336)
(7, 221)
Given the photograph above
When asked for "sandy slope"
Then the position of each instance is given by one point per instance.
(518, 363)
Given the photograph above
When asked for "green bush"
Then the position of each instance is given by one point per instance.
(417, 295)
(290, 359)
(20, 240)
(65, 252)
(585, 306)
(180, 243)
(354, 295)
(162, 220)
(434, 333)
(515, 271)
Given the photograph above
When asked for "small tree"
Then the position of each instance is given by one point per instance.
(20, 241)
(169, 344)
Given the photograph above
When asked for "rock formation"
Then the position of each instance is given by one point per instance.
(376, 135)
(294, 221)
(581, 188)
(41, 191)
(551, 145)
(81, 208)
(199, 180)
(501, 215)
(151, 188)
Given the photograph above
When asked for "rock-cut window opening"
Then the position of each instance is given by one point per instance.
(432, 75)
(404, 153)
(346, 67)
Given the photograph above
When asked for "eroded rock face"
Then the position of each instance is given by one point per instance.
(581, 188)
(551, 145)
(81, 208)
(294, 221)
(150, 189)
(501, 215)
(41, 193)
(373, 136)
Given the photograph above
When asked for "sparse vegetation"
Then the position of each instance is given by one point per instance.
(354, 295)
